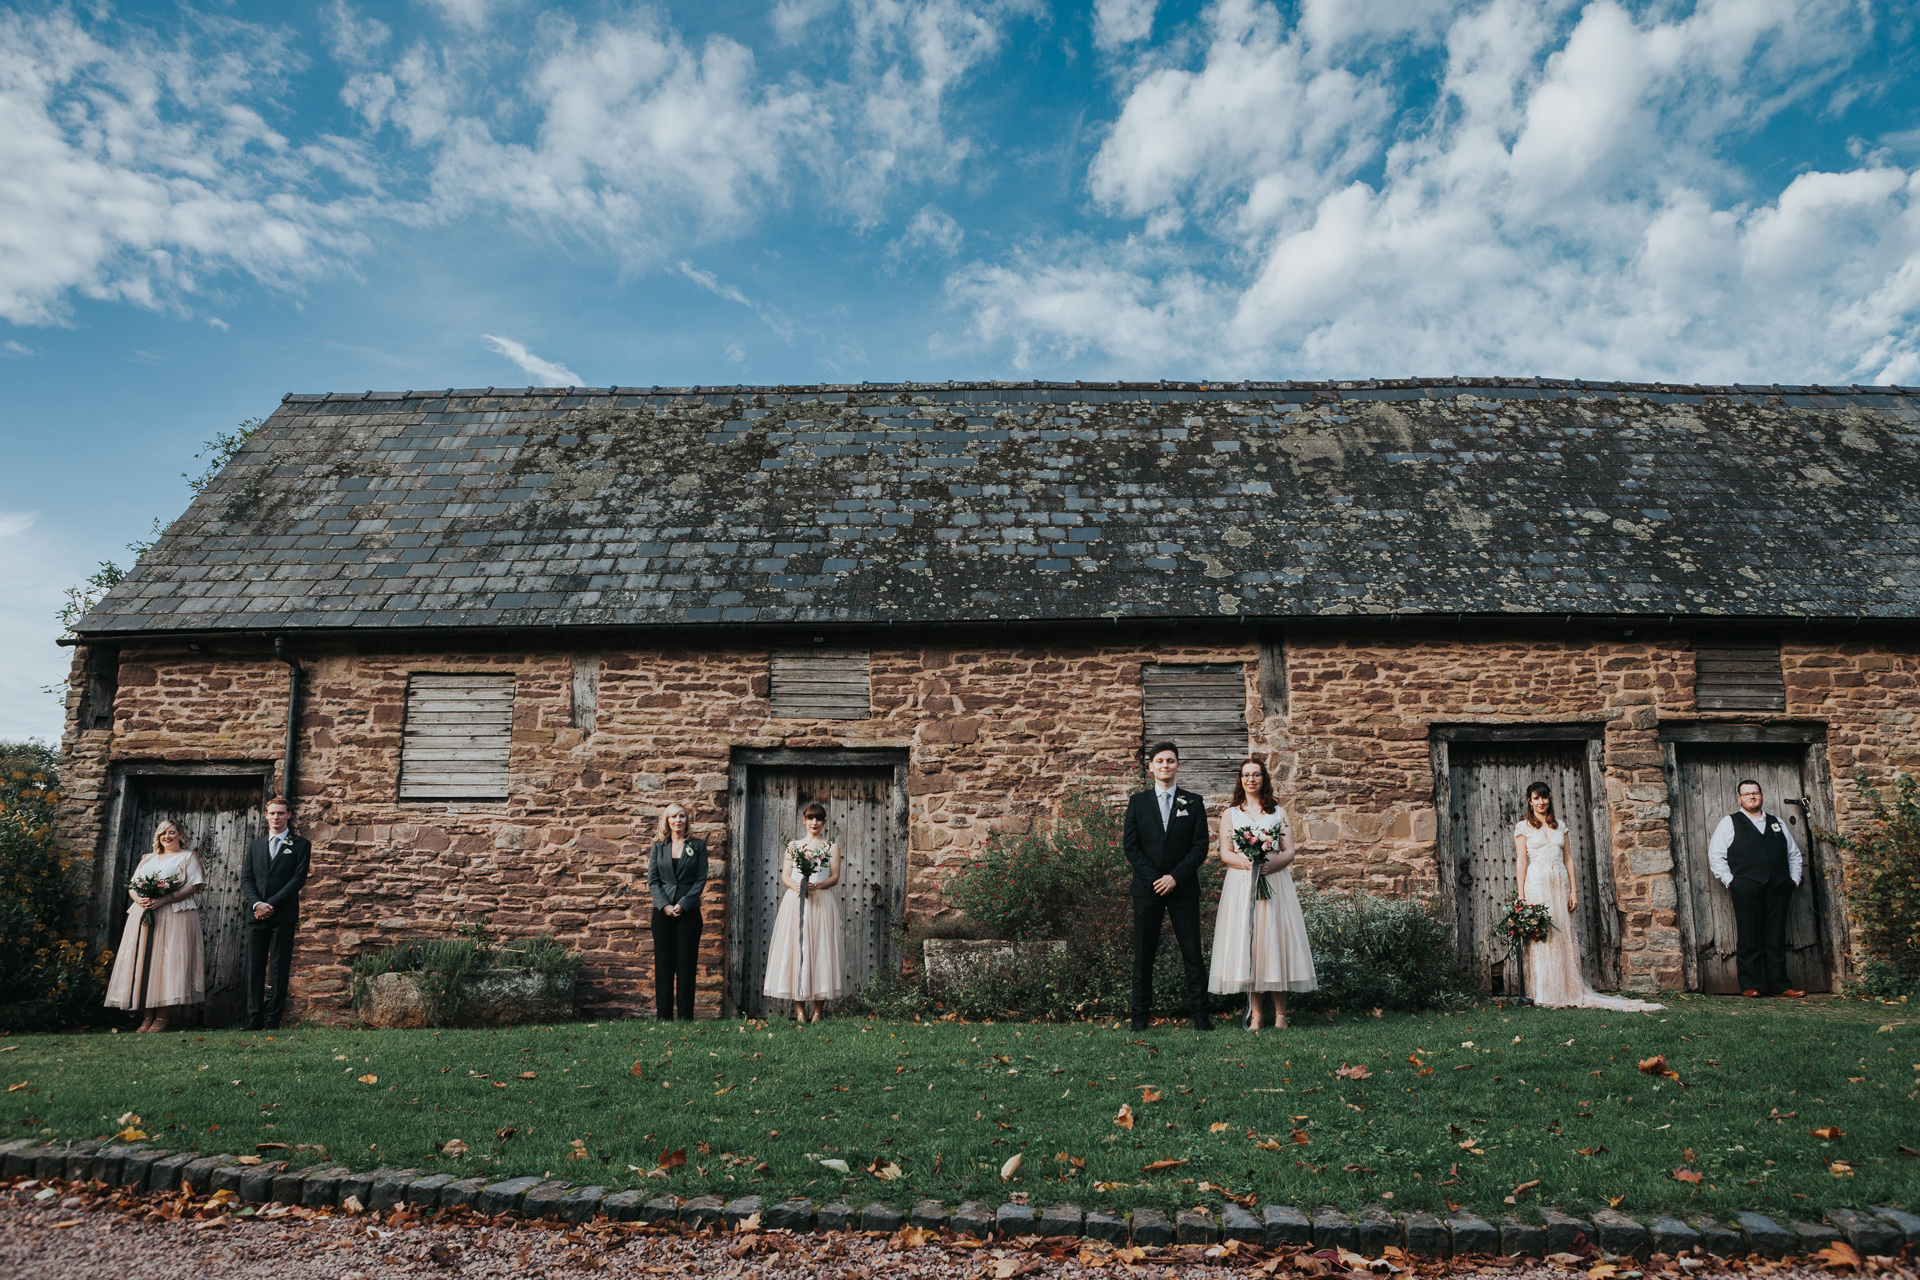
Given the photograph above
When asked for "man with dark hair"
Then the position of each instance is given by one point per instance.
(1754, 855)
(1165, 839)
(270, 883)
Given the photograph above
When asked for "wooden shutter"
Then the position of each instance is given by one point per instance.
(821, 684)
(458, 734)
(1202, 709)
(1738, 677)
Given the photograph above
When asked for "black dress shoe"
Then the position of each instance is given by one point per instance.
(1139, 1026)
(1203, 1023)
(256, 1026)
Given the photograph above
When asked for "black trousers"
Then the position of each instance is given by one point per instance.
(1760, 916)
(676, 954)
(269, 942)
(1183, 913)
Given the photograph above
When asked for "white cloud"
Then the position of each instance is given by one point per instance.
(932, 230)
(1567, 205)
(547, 373)
(1118, 23)
(472, 14)
(16, 350)
(770, 316)
(349, 37)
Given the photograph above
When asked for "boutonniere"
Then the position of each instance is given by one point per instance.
(1773, 826)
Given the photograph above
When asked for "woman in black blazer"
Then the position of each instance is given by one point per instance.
(676, 876)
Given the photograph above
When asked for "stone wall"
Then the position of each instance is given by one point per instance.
(996, 732)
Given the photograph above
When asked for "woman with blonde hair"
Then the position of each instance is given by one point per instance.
(676, 877)
(804, 962)
(173, 968)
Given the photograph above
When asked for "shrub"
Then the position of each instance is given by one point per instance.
(1881, 981)
(1386, 953)
(1026, 885)
(45, 980)
(1883, 880)
(446, 965)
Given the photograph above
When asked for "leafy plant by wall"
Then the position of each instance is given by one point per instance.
(1883, 882)
(1385, 953)
(447, 965)
(46, 980)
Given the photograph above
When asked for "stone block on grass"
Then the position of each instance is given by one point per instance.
(1764, 1236)
(1108, 1227)
(700, 1212)
(503, 1196)
(581, 1203)
(1566, 1233)
(21, 1161)
(1905, 1223)
(1238, 1223)
(841, 1216)
(735, 1212)
(1284, 1224)
(164, 1175)
(1670, 1235)
(623, 1206)
(1473, 1237)
(79, 1166)
(1150, 1227)
(791, 1215)
(662, 1208)
(1867, 1234)
(462, 1193)
(227, 1177)
(390, 1188)
(198, 1176)
(423, 1193)
(288, 1186)
(1717, 1238)
(321, 1188)
(1062, 1220)
(1333, 1229)
(1195, 1226)
(357, 1186)
(972, 1218)
(1427, 1236)
(929, 1215)
(256, 1183)
(1811, 1237)
(1377, 1229)
(1621, 1236)
(108, 1163)
(544, 1200)
(881, 1217)
(1015, 1220)
(1522, 1239)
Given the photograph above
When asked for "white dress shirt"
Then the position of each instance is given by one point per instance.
(1723, 841)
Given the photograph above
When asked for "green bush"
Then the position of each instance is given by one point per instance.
(1384, 953)
(46, 980)
(1879, 980)
(1883, 880)
(1031, 884)
(446, 965)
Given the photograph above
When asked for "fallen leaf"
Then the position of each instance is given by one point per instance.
(369, 1078)
(749, 1224)
(352, 1205)
(248, 1160)
(1685, 1175)
(636, 1070)
(1218, 1126)
(678, 1159)
(504, 1134)
(1011, 1167)
(1840, 1169)
(1839, 1254)
(1353, 1073)
(886, 1171)
(1150, 1094)
(1124, 1119)
(131, 1134)
(270, 1146)
(1590, 1151)
(1614, 1202)
(1355, 1168)
(526, 1075)
(1300, 1138)
(1831, 1133)
(454, 1148)
(1906, 1150)
(15, 1088)
(1604, 1271)
(1156, 1166)
(128, 1118)
(1525, 1187)
(838, 1166)
(1657, 1066)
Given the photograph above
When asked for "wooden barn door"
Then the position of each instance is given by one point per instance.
(860, 803)
(218, 817)
(1709, 790)
(1488, 786)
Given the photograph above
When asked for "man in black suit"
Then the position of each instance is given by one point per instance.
(1166, 841)
(270, 882)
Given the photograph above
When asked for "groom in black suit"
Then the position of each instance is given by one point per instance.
(270, 883)
(1166, 841)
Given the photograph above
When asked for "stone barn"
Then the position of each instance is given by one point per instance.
(483, 636)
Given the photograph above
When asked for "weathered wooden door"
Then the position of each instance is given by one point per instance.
(1709, 790)
(217, 818)
(860, 816)
(1488, 791)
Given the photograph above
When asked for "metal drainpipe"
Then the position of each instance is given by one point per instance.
(293, 708)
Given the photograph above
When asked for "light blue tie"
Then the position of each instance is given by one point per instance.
(1166, 808)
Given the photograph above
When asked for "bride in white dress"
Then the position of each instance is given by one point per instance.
(1274, 957)
(1546, 877)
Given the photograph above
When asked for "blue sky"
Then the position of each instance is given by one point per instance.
(205, 205)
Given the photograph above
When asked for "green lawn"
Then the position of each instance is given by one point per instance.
(1501, 1097)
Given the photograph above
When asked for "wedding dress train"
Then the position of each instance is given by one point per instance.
(1553, 966)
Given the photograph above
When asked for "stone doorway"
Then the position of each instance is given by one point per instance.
(865, 797)
(219, 813)
(1706, 776)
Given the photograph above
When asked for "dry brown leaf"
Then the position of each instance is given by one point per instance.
(1124, 1119)
(673, 1159)
(526, 1075)
(454, 1148)
(1831, 1133)
(1685, 1175)
(369, 1078)
(1157, 1165)
(1300, 1138)
(636, 1070)
(1353, 1073)
(131, 1134)
(1150, 1094)
(1218, 1126)
(248, 1160)
(1011, 1167)
(1837, 1256)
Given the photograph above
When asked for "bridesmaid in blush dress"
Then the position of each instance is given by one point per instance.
(179, 970)
(1259, 945)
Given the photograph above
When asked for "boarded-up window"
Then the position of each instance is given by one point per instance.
(821, 684)
(458, 735)
(1738, 677)
(1202, 710)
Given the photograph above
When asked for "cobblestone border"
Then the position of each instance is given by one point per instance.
(1883, 1232)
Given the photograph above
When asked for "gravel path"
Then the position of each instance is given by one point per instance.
(87, 1234)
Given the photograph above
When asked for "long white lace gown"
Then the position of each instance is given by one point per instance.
(1278, 957)
(1553, 967)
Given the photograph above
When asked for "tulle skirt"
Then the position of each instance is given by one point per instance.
(179, 967)
(1553, 966)
(1279, 958)
(822, 973)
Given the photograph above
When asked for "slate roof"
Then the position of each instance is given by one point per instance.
(908, 503)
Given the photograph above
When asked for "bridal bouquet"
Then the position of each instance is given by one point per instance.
(806, 861)
(1256, 845)
(152, 886)
(1525, 921)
